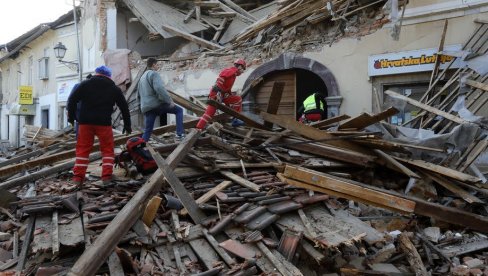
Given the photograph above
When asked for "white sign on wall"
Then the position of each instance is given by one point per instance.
(64, 89)
(411, 61)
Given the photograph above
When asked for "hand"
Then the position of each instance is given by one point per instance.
(172, 105)
(71, 121)
(127, 130)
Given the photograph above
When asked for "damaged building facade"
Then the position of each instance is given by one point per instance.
(350, 52)
(352, 194)
(34, 84)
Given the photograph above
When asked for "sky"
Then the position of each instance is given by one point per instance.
(20, 16)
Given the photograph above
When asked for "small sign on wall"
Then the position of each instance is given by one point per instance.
(64, 89)
(25, 95)
(411, 61)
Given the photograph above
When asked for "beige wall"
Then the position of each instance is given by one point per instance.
(347, 59)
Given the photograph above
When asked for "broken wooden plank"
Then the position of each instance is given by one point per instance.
(241, 181)
(394, 164)
(454, 188)
(477, 84)
(310, 132)
(329, 121)
(463, 177)
(179, 189)
(365, 119)
(94, 255)
(249, 122)
(208, 195)
(427, 107)
(191, 37)
(345, 186)
(151, 210)
(274, 100)
(412, 255)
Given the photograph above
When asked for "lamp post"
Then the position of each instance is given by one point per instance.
(59, 52)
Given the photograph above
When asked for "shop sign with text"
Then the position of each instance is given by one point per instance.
(25, 95)
(411, 61)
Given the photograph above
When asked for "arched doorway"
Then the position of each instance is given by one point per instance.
(302, 76)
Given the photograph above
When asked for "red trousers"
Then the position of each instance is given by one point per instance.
(84, 145)
(233, 101)
(311, 117)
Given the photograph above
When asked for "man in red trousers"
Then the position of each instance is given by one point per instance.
(97, 96)
(221, 92)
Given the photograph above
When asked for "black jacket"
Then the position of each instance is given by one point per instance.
(98, 96)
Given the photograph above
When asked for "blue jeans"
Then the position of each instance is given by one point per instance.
(150, 117)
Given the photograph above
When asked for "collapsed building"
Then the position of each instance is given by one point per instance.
(392, 182)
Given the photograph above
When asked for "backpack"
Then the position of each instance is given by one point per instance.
(136, 147)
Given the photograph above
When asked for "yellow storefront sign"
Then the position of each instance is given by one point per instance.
(25, 95)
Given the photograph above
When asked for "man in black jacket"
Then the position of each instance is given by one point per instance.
(97, 95)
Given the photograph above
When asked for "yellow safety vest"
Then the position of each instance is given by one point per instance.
(310, 103)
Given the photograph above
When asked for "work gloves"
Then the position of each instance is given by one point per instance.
(127, 130)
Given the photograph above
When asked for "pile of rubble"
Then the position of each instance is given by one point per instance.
(273, 197)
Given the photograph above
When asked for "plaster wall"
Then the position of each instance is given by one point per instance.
(348, 58)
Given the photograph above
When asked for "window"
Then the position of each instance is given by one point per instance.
(43, 68)
(31, 70)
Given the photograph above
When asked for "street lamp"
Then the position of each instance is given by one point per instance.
(59, 52)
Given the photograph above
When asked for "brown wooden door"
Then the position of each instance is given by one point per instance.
(262, 92)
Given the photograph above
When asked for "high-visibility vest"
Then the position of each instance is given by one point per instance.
(310, 103)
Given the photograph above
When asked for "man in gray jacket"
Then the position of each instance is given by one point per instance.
(155, 101)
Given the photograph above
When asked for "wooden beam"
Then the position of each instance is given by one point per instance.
(310, 132)
(441, 170)
(195, 108)
(208, 195)
(395, 165)
(346, 187)
(274, 100)
(421, 207)
(365, 119)
(412, 255)
(454, 188)
(191, 37)
(477, 84)
(250, 122)
(329, 121)
(438, 56)
(178, 188)
(96, 254)
(241, 181)
(240, 10)
(426, 107)
(344, 155)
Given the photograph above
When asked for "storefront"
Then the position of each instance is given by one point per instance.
(409, 73)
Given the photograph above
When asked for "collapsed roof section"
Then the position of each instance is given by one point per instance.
(227, 24)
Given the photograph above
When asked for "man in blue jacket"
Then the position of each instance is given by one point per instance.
(155, 101)
(98, 95)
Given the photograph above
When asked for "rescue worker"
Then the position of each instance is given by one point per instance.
(97, 95)
(155, 101)
(221, 92)
(312, 109)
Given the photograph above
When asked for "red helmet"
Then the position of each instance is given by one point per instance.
(240, 62)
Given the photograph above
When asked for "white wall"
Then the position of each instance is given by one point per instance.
(47, 101)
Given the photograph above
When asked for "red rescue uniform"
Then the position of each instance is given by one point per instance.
(221, 91)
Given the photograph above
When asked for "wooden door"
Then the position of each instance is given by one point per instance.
(262, 92)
